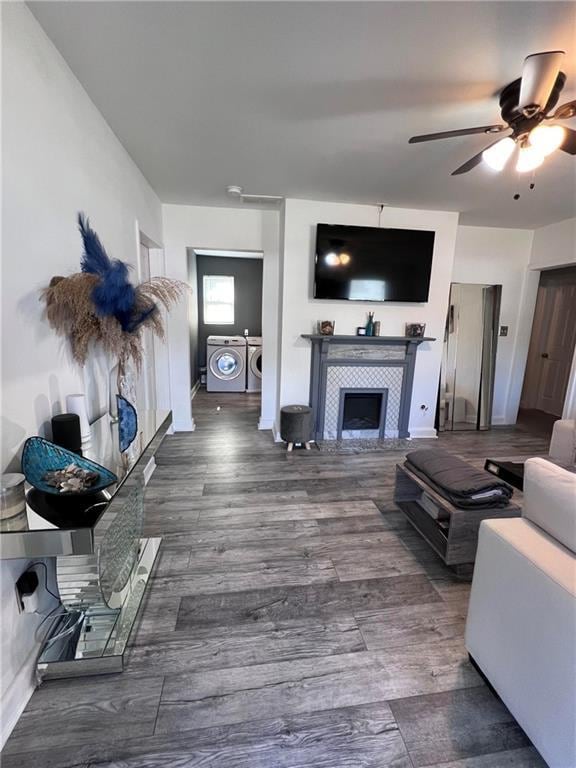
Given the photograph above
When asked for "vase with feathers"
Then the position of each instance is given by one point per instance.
(99, 306)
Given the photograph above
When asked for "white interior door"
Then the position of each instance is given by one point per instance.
(147, 382)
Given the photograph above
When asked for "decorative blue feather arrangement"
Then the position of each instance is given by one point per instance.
(114, 294)
(100, 306)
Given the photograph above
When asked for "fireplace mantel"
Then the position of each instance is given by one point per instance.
(362, 363)
(343, 339)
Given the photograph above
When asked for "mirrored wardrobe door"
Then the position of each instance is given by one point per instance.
(468, 358)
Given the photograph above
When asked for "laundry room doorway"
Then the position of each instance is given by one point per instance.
(225, 334)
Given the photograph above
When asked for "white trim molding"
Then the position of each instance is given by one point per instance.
(423, 432)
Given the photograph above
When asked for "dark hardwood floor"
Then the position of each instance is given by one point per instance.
(295, 620)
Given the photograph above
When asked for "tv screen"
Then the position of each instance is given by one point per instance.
(372, 264)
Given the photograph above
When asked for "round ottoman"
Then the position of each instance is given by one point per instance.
(296, 425)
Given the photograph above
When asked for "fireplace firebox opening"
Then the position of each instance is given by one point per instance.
(362, 410)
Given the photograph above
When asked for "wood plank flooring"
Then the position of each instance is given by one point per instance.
(295, 620)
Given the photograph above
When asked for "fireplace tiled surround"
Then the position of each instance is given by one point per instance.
(362, 364)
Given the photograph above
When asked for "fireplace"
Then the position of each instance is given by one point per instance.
(362, 412)
(381, 366)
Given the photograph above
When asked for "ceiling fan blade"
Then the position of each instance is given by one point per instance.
(452, 134)
(473, 162)
(569, 143)
(538, 78)
(565, 111)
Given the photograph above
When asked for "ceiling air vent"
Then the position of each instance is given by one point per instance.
(238, 193)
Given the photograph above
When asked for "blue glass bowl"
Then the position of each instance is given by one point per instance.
(41, 456)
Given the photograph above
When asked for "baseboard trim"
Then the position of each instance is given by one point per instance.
(149, 470)
(423, 432)
(15, 699)
(266, 424)
(184, 426)
(502, 421)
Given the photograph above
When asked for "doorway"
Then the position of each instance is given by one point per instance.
(469, 358)
(225, 331)
(552, 344)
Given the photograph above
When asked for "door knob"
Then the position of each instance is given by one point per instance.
(544, 354)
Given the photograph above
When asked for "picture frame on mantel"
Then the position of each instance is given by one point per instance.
(415, 330)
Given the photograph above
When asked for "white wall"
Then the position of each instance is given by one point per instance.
(554, 246)
(301, 312)
(496, 256)
(242, 229)
(59, 157)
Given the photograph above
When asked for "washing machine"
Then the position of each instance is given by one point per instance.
(226, 364)
(254, 364)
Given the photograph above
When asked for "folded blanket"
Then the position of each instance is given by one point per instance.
(456, 480)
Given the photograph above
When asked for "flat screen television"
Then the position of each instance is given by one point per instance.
(372, 264)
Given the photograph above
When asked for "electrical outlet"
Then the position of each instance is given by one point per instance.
(503, 330)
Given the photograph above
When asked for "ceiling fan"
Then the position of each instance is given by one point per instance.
(524, 106)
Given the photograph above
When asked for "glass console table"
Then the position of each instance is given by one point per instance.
(102, 561)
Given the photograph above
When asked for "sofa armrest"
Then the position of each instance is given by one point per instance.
(550, 500)
(563, 442)
(521, 630)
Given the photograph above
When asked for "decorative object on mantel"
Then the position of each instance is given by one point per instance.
(41, 457)
(376, 328)
(99, 306)
(361, 330)
(370, 324)
(127, 423)
(415, 330)
(326, 327)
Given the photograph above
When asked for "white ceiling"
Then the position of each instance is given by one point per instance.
(318, 100)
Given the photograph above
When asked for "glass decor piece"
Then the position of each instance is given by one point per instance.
(127, 423)
(41, 456)
(118, 548)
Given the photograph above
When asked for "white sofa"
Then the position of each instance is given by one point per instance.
(521, 626)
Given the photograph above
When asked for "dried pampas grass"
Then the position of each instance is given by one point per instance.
(71, 312)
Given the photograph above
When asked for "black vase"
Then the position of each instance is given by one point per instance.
(66, 432)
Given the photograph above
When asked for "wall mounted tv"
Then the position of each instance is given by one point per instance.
(372, 264)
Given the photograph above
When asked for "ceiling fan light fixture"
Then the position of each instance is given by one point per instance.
(529, 158)
(547, 138)
(498, 154)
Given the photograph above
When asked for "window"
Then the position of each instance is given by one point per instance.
(218, 300)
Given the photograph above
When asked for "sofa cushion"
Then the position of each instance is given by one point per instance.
(550, 500)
